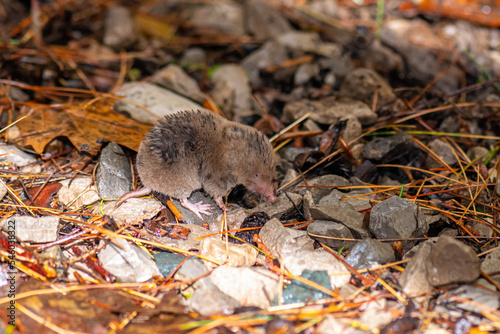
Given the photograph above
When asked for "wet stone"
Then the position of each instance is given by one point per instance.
(168, 261)
(298, 292)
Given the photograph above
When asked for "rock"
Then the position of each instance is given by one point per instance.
(377, 313)
(193, 56)
(284, 241)
(317, 260)
(325, 228)
(478, 153)
(367, 171)
(283, 205)
(193, 241)
(158, 101)
(168, 261)
(337, 197)
(128, 262)
(388, 149)
(175, 79)
(231, 254)
(370, 253)
(271, 53)
(414, 279)
(443, 151)
(482, 299)
(340, 213)
(309, 42)
(329, 111)
(234, 218)
(249, 286)
(382, 58)
(226, 17)
(113, 176)
(133, 211)
(16, 94)
(298, 292)
(77, 192)
(290, 153)
(409, 38)
(32, 229)
(190, 217)
(234, 80)
(491, 264)
(119, 28)
(3, 191)
(397, 218)
(305, 73)
(452, 261)
(319, 186)
(206, 298)
(263, 20)
(362, 83)
(9, 154)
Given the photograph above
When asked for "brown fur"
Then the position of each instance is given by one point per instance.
(190, 150)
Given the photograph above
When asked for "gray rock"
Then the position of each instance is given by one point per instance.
(298, 292)
(77, 192)
(158, 101)
(421, 64)
(452, 261)
(113, 177)
(193, 56)
(263, 20)
(290, 153)
(321, 230)
(321, 186)
(233, 79)
(309, 42)
(284, 204)
(353, 128)
(482, 299)
(270, 54)
(120, 30)
(478, 152)
(329, 110)
(370, 253)
(190, 217)
(167, 262)
(13, 155)
(132, 211)
(337, 197)
(284, 241)
(382, 58)
(491, 265)
(32, 229)
(347, 216)
(206, 298)
(414, 279)
(397, 218)
(362, 83)
(249, 286)
(17, 94)
(443, 151)
(387, 149)
(193, 241)
(174, 78)
(226, 17)
(128, 262)
(305, 73)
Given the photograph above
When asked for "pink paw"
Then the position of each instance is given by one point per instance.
(197, 208)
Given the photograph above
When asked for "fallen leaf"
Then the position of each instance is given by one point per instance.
(86, 125)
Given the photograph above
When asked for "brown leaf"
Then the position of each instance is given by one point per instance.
(86, 125)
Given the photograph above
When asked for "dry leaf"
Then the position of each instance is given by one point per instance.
(86, 125)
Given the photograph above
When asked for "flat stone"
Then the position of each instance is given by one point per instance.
(264, 21)
(414, 279)
(226, 17)
(132, 211)
(231, 254)
(33, 229)
(387, 149)
(321, 186)
(158, 101)
(9, 154)
(339, 213)
(283, 241)
(443, 151)
(168, 261)
(282, 205)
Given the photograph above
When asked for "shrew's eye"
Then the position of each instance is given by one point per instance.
(257, 175)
